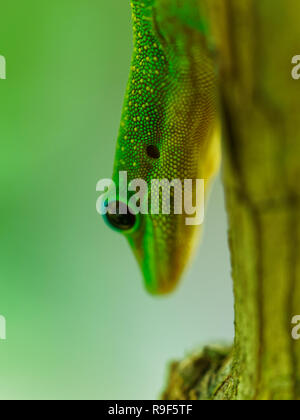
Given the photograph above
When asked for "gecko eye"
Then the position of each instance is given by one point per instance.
(153, 152)
(119, 217)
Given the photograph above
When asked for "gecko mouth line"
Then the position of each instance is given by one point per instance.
(159, 197)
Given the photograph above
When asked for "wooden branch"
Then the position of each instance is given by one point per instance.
(260, 102)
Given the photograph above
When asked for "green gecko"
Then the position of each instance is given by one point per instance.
(169, 130)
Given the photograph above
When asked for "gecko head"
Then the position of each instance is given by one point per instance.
(161, 243)
(165, 134)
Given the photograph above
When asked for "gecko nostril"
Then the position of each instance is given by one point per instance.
(153, 151)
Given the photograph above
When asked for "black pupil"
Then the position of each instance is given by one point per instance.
(153, 151)
(120, 221)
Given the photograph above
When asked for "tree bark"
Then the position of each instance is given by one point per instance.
(260, 103)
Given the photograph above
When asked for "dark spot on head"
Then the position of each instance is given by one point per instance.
(153, 152)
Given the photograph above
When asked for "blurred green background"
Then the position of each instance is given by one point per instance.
(79, 323)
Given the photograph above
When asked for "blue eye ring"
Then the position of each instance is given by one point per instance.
(119, 217)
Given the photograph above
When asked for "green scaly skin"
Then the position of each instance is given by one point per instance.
(170, 103)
